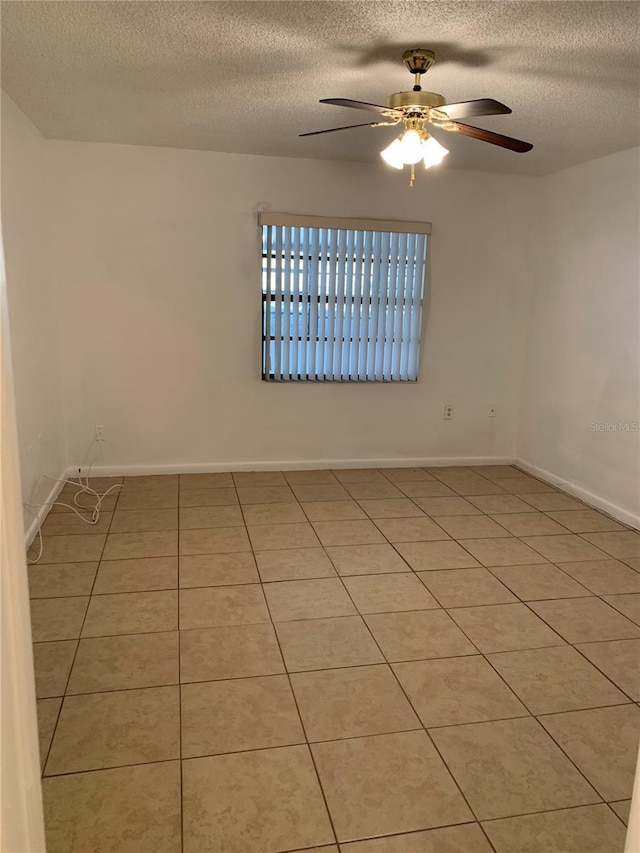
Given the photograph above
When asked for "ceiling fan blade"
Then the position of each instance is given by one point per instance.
(481, 107)
(358, 105)
(489, 136)
(333, 129)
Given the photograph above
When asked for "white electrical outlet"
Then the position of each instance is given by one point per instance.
(99, 433)
(493, 412)
(448, 413)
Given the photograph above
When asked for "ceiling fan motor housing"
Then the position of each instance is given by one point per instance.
(419, 60)
(419, 100)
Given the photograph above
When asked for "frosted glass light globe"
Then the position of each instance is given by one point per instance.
(393, 154)
(411, 147)
(432, 152)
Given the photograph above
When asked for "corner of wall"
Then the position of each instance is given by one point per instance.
(580, 403)
(33, 311)
(532, 260)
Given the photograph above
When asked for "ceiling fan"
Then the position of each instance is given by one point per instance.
(416, 109)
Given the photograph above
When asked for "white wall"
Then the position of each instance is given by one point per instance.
(156, 258)
(583, 356)
(21, 819)
(33, 309)
(149, 260)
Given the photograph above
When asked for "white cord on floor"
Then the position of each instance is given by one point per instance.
(84, 488)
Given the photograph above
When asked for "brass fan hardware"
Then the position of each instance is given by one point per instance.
(416, 109)
(418, 62)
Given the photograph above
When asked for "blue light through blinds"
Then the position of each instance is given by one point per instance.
(341, 305)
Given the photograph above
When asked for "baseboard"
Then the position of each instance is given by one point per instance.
(615, 511)
(43, 511)
(285, 465)
(291, 465)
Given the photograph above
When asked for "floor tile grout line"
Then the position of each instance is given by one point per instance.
(587, 593)
(568, 757)
(163, 685)
(549, 733)
(486, 835)
(613, 595)
(484, 656)
(579, 710)
(601, 671)
(550, 811)
(544, 731)
(438, 606)
(404, 660)
(415, 711)
(522, 701)
(374, 519)
(296, 671)
(482, 513)
(583, 535)
(416, 832)
(569, 642)
(109, 767)
(423, 580)
(139, 591)
(572, 645)
(527, 601)
(610, 805)
(75, 654)
(472, 821)
(295, 701)
(551, 627)
(418, 728)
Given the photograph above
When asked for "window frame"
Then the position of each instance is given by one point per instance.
(346, 224)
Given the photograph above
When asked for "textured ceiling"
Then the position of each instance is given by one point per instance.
(246, 76)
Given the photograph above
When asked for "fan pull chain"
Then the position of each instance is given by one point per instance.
(412, 180)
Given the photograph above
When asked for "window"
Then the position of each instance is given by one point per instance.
(341, 298)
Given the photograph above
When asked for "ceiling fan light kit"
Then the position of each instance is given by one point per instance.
(411, 147)
(417, 108)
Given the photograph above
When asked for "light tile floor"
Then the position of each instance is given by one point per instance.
(439, 660)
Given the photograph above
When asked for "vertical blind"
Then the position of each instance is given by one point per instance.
(342, 299)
